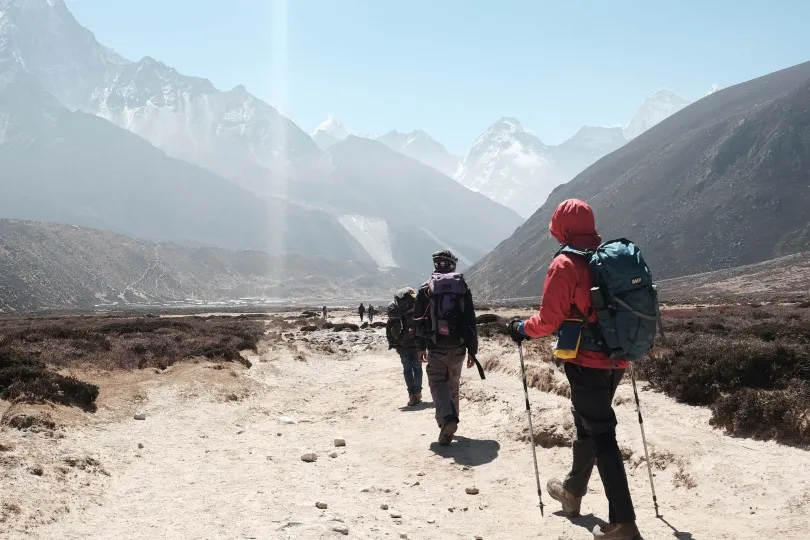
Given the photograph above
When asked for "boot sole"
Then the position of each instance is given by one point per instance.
(447, 432)
(566, 513)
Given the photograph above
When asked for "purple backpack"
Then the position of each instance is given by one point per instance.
(446, 293)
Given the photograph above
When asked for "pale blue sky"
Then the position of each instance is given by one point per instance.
(453, 67)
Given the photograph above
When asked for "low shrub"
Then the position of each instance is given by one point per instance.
(750, 364)
(26, 379)
(766, 414)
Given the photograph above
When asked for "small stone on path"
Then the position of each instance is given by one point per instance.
(383, 507)
(321, 505)
(341, 529)
(140, 445)
(309, 457)
(396, 515)
(140, 416)
(472, 491)
(333, 455)
(340, 442)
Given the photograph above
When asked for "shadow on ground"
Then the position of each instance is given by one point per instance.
(470, 452)
(680, 535)
(421, 407)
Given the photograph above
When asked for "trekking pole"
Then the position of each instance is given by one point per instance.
(531, 428)
(644, 440)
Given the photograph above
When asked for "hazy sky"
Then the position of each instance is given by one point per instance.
(453, 67)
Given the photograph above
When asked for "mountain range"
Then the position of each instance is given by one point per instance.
(223, 168)
(724, 182)
(508, 163)
(511, 165)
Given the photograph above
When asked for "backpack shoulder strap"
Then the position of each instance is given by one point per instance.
(571, 250)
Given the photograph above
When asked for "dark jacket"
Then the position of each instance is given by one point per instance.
(424, 324)
(407, 339)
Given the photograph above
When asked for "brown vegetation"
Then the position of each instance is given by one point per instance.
(34, 350)
(751, 364)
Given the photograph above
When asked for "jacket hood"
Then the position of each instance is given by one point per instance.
(573, 223)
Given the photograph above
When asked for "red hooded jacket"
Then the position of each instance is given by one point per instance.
(568, 281)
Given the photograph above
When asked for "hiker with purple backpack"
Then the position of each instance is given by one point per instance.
(444, 318)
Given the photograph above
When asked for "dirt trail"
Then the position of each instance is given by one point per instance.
(219, 469)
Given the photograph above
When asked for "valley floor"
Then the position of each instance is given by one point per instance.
(218, 461)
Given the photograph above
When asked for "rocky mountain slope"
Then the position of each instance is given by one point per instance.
(232, 134)
(512, 166)
(423, 148)
(187, 117)
(783, 277)
(722, 183)
(46, 265)
(65, 57)
(657, 107)
(227, 132)
(398, 209)
(72, 167)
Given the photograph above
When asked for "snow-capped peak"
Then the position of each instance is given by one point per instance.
(714, 88)
(334, 127)
(329, 132)
(507, 124)
(657, 107)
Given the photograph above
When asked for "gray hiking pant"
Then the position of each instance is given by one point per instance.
(444, 377)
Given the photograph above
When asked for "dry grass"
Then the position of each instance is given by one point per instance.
(34, 350)
(541, 373)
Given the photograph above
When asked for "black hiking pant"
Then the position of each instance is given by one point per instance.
(592, 392)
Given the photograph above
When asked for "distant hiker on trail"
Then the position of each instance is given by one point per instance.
(445, 334)
(361, 311)
(592, 374)
(399, 331)
(371, 312)
(324, 312)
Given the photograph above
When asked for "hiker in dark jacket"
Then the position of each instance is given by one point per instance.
(399, 331)
(361, 311)
(445, 335)
(593, 376)
(371, 312)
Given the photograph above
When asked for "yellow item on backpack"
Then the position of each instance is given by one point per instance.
(569, 337)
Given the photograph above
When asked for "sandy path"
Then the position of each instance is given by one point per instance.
(213, 470)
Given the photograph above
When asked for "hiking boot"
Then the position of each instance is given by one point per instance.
(412, 400)
(570, 502)
(448, 430)
(617, 531)
(419, 398)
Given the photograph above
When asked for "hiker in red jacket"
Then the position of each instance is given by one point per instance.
(593, 376)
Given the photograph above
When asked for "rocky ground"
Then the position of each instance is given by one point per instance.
(206, 450)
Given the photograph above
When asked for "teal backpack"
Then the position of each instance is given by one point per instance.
(623, 297)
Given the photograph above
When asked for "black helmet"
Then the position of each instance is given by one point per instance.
(444, 260)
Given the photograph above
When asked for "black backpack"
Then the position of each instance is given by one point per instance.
(446, 294)
(403, 304)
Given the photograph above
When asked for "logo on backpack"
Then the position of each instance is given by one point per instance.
(446, 293)
(627, 315)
